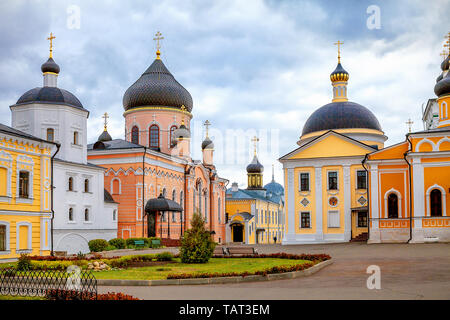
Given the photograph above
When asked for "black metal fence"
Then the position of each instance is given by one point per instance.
(75, 283)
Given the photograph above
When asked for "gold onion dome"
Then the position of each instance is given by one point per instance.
(339, 74)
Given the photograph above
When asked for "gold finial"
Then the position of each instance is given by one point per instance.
(339, 50)
(255, 141)
(207, 124)
(444, 54)
(51, 44)
(105, 116)
(409, 123)
(158, 45)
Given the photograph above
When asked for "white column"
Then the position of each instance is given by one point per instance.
(374, 232)
(347, 204)
(319, 212)
(418, 198)
(291, 204)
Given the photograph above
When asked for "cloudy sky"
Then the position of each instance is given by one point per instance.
(252, 67)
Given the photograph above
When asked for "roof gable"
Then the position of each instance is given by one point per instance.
(395, 151)
(330, 144)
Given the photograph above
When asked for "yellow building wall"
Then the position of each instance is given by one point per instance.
(309, 195)
(18, 210)
(441, 177)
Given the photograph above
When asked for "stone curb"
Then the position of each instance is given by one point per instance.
(217, 280)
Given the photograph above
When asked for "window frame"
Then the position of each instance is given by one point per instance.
(357, 179)
(135, 134)
(337, 180)
(52, 131)
(308, 213)
(154, 131)
(301, 184)
(21, 187)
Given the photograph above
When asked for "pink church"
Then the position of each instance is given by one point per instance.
(154, 158)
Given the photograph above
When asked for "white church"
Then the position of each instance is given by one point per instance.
(83, 209)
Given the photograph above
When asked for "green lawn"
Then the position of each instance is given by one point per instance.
(215, 265)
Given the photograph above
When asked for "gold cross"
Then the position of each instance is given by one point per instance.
(409, 123)
(339, 50)
(207, 124)
(158, 46)
(51, 44)
(105, 116)
(255, 141)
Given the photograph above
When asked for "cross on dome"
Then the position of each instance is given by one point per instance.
(51, 44)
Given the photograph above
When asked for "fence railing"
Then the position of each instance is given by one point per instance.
(76, 283)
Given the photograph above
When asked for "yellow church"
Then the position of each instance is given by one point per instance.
(255, 214)
(325, 180)
(25, 194)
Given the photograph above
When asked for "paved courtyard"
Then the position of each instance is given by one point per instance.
(408, 271)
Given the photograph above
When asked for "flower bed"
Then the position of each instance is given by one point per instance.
(74, 295)
(276, 269)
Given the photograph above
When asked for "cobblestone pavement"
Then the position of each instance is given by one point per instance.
(408, 271)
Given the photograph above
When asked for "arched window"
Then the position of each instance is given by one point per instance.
(70, 214)
(86, 185)
(70, 186)
(164, 192)
(135, 135)
(171, 137)
(114, 215)
(436, 203)
(199, 193)
(174, 194)
(3, 181)
(115, 186)
(392, 206)
(86, 214)
(154, 136)
(50, 134)
(181, 204)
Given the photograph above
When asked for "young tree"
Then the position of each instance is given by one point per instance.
(196, 244)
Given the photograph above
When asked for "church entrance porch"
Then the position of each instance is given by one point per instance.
(359, 224)
(237, 231)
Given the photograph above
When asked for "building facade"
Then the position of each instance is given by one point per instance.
(410, 181)
(154, 158)
(83, 209)
(325, 181)
(25, 193)
(255, 214)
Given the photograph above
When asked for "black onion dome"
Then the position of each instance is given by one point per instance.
(105, 136)
(50, 95)
(439, 78)
(157, 87)
(255, 166)
(443, 86)
(207, 144)
(50, 66)
(339, 74)
(341, 115)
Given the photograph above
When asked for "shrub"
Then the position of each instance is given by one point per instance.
(97, 245)
(110, 247)
(24, 263)
(81, 255)
(118, 243)
(164, 256)
(196, 244)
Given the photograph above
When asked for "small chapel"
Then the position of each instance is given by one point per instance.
(154, 158)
